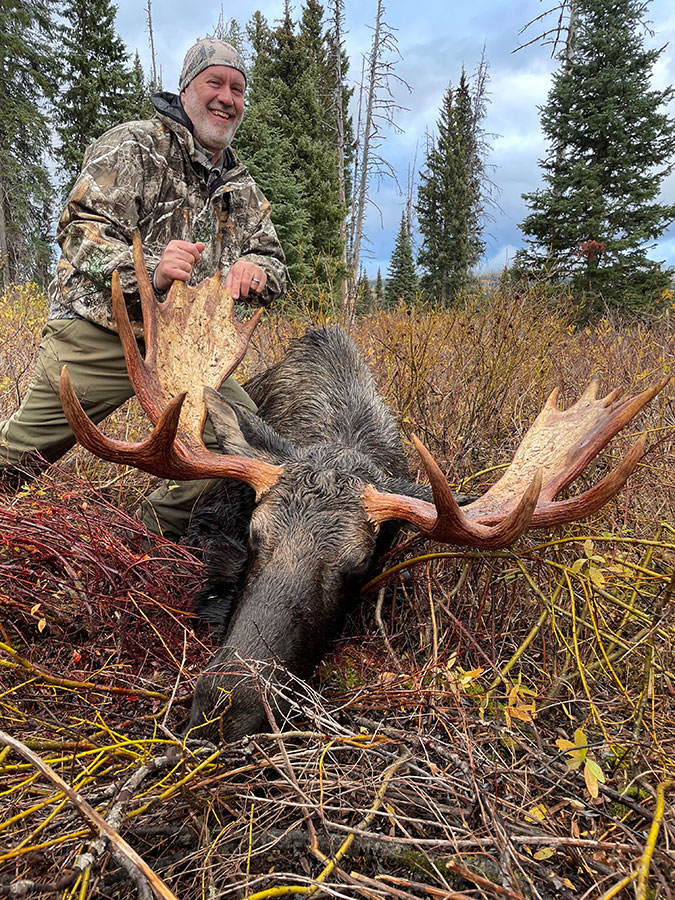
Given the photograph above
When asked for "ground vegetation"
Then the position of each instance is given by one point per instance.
(493, 724)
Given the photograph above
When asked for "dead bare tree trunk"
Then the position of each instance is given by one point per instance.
(410, 193)
(357, 164)
(5, 275)
(378, 110)
(565, 28)
(366, 137)
(153, 59)
(570, 43)
(337, 8)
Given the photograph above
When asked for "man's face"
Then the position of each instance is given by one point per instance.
(214, 102)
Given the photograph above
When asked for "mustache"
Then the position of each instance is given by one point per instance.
(221, 107)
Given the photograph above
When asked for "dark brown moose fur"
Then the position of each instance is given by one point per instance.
(286, 570)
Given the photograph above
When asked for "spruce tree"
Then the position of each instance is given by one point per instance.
(290, 79)
(310, 99)
(449, 203)
(263, 146)
(402, 282)
(364, 295)
(138, 104)
(266, 152)
(611, 144)
(96, 81)
(27, 74)
(379, 289)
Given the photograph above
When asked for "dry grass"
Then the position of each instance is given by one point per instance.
(490, 725)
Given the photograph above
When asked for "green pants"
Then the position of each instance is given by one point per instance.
(38, 430)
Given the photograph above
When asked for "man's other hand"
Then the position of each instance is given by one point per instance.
(177, 262)
(244, 277)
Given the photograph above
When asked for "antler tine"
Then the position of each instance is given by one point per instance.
(590, 393)
(147, 296)
(443, 520)
(608, 399)
(136, 366)
(155, 454)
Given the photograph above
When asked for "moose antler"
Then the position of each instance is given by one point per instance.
(192, 338)
(555, 450)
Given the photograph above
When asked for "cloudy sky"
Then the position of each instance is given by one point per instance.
(435, 38)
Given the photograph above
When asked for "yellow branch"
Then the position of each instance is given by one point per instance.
(76, 685)
(645, 861)
(618, 887)
(94, 819)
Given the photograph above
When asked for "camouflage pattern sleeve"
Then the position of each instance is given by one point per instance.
(97, 225)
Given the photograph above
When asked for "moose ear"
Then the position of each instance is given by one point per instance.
(240, 432)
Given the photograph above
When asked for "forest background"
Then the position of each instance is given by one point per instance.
(418, 69)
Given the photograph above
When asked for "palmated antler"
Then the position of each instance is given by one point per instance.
(555, 451)
(192, 339)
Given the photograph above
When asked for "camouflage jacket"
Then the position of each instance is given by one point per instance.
(150, 175)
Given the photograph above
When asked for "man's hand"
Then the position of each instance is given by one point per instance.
(243, 277)
(177, 262)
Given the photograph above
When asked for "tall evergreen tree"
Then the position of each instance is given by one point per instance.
(611, 144)
(364, 295)
(27, 75)
(138, 102)
(267, 153)
(264, 148)
(96, 81)
(402, 282)
(379, 289)
(449, 201)
(290, 78)
(314, 138)
(262, 143)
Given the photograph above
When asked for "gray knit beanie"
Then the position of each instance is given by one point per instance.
(207, 53)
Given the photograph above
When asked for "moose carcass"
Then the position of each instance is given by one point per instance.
(315, 484)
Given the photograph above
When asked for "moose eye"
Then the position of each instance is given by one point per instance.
(355, 569)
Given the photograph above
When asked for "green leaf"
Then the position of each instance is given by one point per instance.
(596, 577)
(591, 781)
(595, 769)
